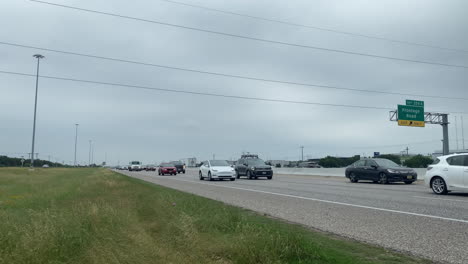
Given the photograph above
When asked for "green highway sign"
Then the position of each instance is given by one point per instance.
(415, 103)
(409, 115)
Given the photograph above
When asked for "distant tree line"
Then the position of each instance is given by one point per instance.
(6, 161)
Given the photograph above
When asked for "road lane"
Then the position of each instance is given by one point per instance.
(387, 215)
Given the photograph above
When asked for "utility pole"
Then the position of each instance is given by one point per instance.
(302, 153)
(76, 141)
(38, 57)
(407, 151)
(456, 132)
(445, 133)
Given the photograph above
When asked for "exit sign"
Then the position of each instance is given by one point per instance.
(415, 103)
(409, 115)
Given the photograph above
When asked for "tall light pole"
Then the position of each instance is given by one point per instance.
(38, 57)
(76, 141)
(302, 153)
(89, 158)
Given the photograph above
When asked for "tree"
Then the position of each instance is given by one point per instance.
(418, 161)
(391, 157)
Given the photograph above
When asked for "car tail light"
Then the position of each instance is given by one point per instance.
(429, 168)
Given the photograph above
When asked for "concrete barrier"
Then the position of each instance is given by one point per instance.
(336, 172)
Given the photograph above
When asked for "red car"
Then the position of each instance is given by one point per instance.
(167, 168)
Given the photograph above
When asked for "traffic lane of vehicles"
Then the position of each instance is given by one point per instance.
(414, 198)
(378, 214)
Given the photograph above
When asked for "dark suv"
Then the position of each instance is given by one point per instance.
(179, 166)
(253, 167)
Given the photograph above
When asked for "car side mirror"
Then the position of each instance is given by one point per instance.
(374, 167)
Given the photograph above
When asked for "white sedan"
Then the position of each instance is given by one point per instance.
(448, 173)
(216, 169)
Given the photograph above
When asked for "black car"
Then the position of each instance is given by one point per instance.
(252, 167)
(179, 166)
(380, 171)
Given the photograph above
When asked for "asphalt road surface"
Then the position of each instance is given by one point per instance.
(406, 218)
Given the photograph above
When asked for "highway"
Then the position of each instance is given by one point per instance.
(405, 218)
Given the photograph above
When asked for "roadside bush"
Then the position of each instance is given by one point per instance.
(418, 161)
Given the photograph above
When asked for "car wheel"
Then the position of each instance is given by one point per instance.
(237, 175)
(353, 178)
(270, 177)
(162, 174)
(201, 176)
(209, 176)
(439, 186)
(249, 175)
(383, 178)
(408, 182)
(232, 179)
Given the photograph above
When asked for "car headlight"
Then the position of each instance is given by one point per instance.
(253, 168)
(392, 171)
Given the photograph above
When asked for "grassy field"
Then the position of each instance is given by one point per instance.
(97, 216)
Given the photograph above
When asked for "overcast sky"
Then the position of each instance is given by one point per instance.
(154, 126)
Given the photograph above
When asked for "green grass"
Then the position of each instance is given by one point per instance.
(97, 216)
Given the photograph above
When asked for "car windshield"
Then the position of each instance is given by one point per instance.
(386, 163)
(219, 163)
(256, 162)
(167, 165)
(177, 163)
(135, 163)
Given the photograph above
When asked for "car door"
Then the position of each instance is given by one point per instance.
(241, 167)
(371, 171)
(358, 168)
(455, 171)
(203, 169)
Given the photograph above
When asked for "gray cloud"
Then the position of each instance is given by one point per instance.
(155, 126)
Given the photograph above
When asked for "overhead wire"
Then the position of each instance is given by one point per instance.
(201, 93)
(315, 27)
(226, 74)
(195, 93)
(252, 38)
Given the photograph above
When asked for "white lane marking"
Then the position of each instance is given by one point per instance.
(453, 200)
(327, 201)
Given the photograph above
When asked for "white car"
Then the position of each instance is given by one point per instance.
(448, 173)
(217, 169)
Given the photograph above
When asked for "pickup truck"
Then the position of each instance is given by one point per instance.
(135, 166)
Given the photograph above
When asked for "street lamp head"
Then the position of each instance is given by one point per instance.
(38, 56)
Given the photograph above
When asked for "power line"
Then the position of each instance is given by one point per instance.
(315, 27)
(200, 93)
(253, 38)
(226, 74)
(197, 93)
